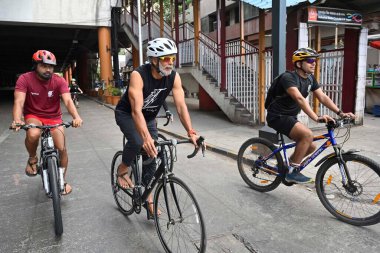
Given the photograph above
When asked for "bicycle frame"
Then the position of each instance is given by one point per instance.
(47, 150)
(156, 176)
(330, 141)
(161, 173)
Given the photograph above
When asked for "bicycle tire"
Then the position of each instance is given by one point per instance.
(260, 180)
(168, 153)
(190, 224)
(342, 201)
(123, 198)
(55, 194)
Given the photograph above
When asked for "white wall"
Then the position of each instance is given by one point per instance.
(61, 12)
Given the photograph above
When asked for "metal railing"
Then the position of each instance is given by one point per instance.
(242, 80)
(209, 61)
(236, 47)
(186, 52)
(331, 77)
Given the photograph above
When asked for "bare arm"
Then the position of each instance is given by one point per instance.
(18, 106)
(136, 98)
(66, 98)
(183, 113)
(326, 101)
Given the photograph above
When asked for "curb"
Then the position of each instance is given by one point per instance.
(213, 148)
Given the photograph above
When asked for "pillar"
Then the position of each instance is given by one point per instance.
(351, 44)
(197, 28)
(261, 65)
(104, 41)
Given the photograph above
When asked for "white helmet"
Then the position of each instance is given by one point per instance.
(161, 47)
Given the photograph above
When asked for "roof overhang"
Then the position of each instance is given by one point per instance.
(267, 4)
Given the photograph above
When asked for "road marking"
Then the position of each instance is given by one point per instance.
(4, 135)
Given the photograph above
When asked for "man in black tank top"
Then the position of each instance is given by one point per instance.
(289, 99)
(135, 114)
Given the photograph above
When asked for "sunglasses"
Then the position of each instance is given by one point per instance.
(310, 60)
(167, 58)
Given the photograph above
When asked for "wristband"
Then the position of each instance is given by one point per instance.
(191, 132)
(339, 112)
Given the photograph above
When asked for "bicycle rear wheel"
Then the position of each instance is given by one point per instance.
(255, 172)
(168, 153)
(52, 168)
(357, 203)
(184, 230)
(123, 197)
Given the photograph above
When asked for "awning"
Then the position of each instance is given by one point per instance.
(267, 4)
(375, 44)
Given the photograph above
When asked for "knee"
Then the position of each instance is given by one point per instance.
(62, 151)
(33, 135)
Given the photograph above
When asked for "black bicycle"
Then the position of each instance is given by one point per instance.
(48, 167)
(74, 97)
(178, 219)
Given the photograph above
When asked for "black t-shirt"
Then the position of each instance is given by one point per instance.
(286, 105)
(74, 88)
(155, 92)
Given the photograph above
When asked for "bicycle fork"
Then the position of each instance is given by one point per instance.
(346, 178)
(171, 221)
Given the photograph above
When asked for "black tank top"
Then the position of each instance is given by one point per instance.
(155, 92)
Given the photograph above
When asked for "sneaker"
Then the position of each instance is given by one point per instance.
(299, 178)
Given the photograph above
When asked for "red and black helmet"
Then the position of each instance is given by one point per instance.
(44, 56)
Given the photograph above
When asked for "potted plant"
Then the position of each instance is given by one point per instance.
(116, 95)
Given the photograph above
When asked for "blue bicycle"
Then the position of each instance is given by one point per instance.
(347, 184)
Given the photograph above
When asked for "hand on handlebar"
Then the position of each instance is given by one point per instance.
(347, 115)
(150, 147)
(200, 144)
(16, 124)
(77, 122)
(325, 119)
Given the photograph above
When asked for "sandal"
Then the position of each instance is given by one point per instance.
(150, 210)
(65, 191)
(32, 166)
(125, 179)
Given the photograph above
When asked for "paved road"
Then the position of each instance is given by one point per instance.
(238, 219)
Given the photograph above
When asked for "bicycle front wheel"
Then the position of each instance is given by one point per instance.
(254, 169)
(168, 152)
(183, 230)
(123, 197)
(52, 168)
(358, 202)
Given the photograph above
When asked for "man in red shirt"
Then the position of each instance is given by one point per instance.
(37, 98)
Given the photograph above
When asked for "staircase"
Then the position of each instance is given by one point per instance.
(238, 101)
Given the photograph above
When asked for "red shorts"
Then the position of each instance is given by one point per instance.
(44, 121)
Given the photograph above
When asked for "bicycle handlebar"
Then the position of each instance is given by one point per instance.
(174, 142)
(168, 116)
(28, 126)
(340, 123)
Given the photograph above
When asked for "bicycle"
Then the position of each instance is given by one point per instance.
(347, 184)
(52, 175)
(180, 213)
(74, 97)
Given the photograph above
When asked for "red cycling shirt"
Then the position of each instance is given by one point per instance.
(42, 97)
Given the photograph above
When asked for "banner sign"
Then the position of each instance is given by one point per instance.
(333, 16)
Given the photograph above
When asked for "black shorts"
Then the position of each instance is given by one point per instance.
(281, 123)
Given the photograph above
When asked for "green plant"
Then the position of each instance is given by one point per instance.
(116, 91)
